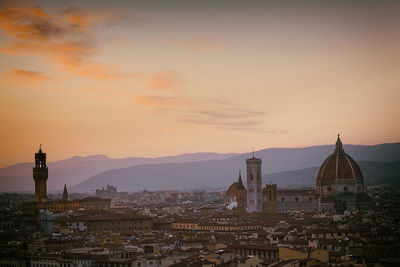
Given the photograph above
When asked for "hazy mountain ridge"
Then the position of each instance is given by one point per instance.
(374, 173)
(216, 173)
(74, 170)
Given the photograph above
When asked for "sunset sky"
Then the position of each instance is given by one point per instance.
(156, 78)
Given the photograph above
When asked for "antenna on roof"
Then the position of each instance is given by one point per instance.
(253, 152)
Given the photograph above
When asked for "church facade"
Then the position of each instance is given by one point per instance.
(339, 186)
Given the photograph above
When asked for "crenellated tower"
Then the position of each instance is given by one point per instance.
(40, 175)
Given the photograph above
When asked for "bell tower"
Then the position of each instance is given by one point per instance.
(254, 193)
(40, 175)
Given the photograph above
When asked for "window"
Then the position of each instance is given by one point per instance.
(283, 199)
(329, 189)
(297, 199)
(345, 189)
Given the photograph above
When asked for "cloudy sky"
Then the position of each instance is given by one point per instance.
(154, 78)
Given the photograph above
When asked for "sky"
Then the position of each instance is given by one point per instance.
(156, 78)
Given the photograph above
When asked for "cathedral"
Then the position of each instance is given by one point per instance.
(236, 196)
(339, 187)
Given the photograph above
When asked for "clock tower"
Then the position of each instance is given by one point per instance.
(40, 175)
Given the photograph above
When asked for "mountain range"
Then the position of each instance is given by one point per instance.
(284, 166)
(18, 177)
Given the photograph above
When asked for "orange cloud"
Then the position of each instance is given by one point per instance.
(29, 22)
(27, 76)
(77, 16)
(162, 81)
(64, 38)
(156, 101)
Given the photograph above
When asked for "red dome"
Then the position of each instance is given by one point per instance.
(338, 166)
(235, 188)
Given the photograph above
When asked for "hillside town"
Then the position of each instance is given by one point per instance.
(340, 223)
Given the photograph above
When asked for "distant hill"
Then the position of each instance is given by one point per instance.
(76, 169)
(374, 173)
(214, 173)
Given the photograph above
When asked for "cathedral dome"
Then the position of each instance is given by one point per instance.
(237, 193)
(235, 188)
(339, 173)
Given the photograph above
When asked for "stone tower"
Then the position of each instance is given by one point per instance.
(65, 194)
(270, 198)
(40, 175)
(254, 194)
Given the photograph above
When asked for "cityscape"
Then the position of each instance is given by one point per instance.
(199, 133)
(341, 222)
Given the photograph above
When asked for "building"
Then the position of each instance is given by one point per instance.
(262, 251)
(108, 192)
(40, 175)
(340, 182)
(339, 186)
(289, 200)
(104, 222)
(254, 193)
(269, 198)
(31, 210)
(65, 193)
(236, 195)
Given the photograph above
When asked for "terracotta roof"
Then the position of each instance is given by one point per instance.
(260, 247)
(235, 188)
(338, 165)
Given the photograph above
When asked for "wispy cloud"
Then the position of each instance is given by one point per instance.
(217, 114)
(162, 81)
(225, 116)
(27, 76)
(156, 101)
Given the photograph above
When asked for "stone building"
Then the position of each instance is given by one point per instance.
(236, 195)
(31, 210)
(340, 182)
(339, 186)
(254, 193)
(269, 198)
(40, 175)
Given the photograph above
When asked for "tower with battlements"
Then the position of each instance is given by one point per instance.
(40, 175)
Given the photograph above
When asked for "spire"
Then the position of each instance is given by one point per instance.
(40, 148)
(240, 182)
(65, 194)
(253, 152)
(339, 145)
